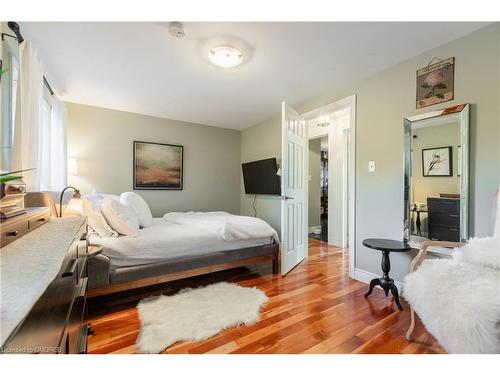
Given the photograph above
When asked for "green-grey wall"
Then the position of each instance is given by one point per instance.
(261, 142)
(382, 102)
(101, 141)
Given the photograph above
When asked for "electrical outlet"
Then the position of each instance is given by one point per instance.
(371, 166)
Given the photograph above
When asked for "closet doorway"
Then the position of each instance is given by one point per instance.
(318, 189)
(330, 173)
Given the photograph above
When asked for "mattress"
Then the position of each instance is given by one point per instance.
(165, 241)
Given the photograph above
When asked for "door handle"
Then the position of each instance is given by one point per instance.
(285, 198)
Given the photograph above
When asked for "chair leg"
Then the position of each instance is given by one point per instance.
(409, 333)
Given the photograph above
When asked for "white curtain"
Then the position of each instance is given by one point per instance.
(27, 119)
(53, 156)
(40, 129)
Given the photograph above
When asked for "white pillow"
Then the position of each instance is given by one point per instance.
(96, 221)
(95, 193)
(120, 217)
(140, 207)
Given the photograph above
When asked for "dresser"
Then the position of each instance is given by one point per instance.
(44, 283)
(444, 219)
(17, 226)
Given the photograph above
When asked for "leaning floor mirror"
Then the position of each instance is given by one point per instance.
(436, 176)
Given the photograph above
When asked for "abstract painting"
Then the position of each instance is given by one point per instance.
(435, 83)
(157, 166)
(436, 162)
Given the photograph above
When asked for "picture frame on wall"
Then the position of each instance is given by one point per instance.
(158, 166)
(436, 83)
(437, 162)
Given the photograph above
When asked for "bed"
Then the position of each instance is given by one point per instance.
(176, 247)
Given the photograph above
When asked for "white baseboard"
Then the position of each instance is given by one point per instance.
(366, 277)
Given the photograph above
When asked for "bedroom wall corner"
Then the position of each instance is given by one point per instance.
(102, 142)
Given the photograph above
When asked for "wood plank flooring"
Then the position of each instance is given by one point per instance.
(316, 309)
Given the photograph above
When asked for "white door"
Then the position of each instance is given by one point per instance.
(293, 192)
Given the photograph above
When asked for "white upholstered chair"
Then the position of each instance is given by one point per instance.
(458, 299)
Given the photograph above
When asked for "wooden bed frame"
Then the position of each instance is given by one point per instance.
(114, 288)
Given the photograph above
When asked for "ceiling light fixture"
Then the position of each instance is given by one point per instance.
(323, 121)
(225, 57)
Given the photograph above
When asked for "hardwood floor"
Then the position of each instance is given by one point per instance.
(316, 308)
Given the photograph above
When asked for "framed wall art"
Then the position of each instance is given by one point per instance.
(158, 166)
(437, 162)
(435, 83)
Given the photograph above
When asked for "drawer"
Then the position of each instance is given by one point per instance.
(443, 205)
(445, 219)
(13, 231)
(38, 220)
(441, 233)
(77, 317)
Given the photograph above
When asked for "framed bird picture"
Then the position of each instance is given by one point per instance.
(437, 162)
(435, 83)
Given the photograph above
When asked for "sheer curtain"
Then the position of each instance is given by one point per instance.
(52, 173)
(40, 128)
(25, 148)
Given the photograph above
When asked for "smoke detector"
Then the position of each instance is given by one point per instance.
(176, 30)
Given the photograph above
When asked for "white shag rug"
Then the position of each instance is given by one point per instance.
(196, 314)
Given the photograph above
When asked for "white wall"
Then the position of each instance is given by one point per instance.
(101, 140)
(382, 102)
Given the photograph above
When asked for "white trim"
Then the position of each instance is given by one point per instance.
(366, 277)
(348, 102)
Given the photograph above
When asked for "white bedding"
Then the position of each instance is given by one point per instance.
(168, 240)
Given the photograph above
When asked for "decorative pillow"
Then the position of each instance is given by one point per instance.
(140, 207)
(95, 193)
(96, 221)
(120, 217)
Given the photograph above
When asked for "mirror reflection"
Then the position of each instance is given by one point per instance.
(436, 179)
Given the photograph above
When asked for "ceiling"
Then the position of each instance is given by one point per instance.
(138, 67)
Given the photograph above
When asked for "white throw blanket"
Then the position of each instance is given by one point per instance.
(458, 300)
(230, 227)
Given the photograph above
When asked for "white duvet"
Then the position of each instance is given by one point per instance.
(180, 235)
(230, 227)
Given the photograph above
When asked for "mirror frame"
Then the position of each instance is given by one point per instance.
(464, 110)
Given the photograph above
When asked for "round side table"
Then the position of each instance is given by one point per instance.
(385, 282)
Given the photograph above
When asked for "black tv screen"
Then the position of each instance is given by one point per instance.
(260, 177)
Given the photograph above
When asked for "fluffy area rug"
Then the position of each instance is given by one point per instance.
(196, 314)
(458, 300)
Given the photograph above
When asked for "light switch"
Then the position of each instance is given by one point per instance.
(371, 166)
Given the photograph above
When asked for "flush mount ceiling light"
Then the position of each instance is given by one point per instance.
(323, 121)
(225, 57)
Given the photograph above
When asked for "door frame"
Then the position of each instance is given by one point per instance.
(345, 103)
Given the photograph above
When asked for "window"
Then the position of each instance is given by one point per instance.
(9, 93)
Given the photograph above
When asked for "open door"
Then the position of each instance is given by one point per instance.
(293, 191)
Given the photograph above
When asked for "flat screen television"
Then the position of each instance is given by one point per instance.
(260, 177)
